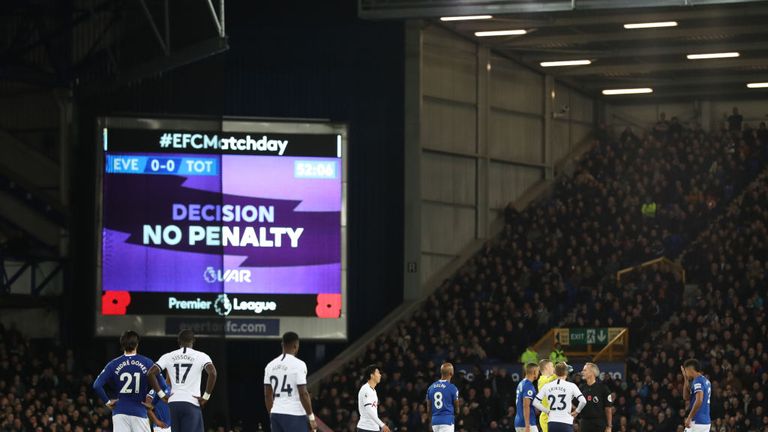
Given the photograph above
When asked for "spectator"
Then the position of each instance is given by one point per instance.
(661, 128)
(735, 120)
(529, 356)
(558, 355)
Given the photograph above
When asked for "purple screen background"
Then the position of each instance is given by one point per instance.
(132, 200)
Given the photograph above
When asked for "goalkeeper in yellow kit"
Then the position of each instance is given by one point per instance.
(547, 375)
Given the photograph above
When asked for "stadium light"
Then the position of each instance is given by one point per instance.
(466, 18)
(500, 33)
(565, 63)
(613, 92)
(648, 25)
(712, 56)
(758, 85)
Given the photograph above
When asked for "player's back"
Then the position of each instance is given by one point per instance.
(185, 366)
(442, 395)
(701, 384)
(525, 390)
(560, 395)
(285, 374)
(127, 377)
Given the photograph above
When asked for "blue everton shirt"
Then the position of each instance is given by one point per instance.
(126, 377)
(525, 390)
(162, 411)
(441, 396)
(701, 384)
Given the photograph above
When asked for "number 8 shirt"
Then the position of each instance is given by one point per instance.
(285, 374)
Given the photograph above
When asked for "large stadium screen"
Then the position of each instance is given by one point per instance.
(228, 227)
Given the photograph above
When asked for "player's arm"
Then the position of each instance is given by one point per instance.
(542, 395)
(527, 411)
(582, 401)
(686, 386)
(98, 387)
(155, 420)
(374, 415)
(210, 369)
(269, 396)
(695, 408)
(608, 407)
(158, 385)
(306, 402)
(456, 405)
(149, 400)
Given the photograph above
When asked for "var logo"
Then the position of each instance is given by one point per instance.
(212, 275)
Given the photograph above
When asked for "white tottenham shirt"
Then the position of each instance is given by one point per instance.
(285, 374)
(560, 395)
(368, 404)
(186, 366)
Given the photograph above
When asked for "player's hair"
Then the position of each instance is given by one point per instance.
(186, 337)
(530, 368)
(370, 370)
(129, 340)
(595, 368)
(561, 369)
(289, 338)
(692, 363)
(544, 362)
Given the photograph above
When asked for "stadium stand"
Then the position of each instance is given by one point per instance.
(555, 263)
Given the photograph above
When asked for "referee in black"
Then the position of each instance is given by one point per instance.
(597, 416)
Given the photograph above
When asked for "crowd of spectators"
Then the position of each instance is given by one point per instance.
(40, 390)
(721, 320)
(555, 264)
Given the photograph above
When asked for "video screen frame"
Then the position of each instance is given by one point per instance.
(238, 327)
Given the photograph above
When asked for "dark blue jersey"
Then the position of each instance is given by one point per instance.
(161, 409)
(701, 384)
(525, 390)
(126, 377)
(442, 396)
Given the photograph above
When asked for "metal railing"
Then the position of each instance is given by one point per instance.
(30, 276)
(657, 261)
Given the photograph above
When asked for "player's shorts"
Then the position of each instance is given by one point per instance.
(698, 428)
(159, 429)
(559, 427)
(288, 423)
(443, 428)
(186, 417)
(129, 423)
(522, 429)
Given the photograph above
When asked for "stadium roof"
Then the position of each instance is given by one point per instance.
(594, 30)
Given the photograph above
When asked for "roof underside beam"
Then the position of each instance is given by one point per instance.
(398, 9)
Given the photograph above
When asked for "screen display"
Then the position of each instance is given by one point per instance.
(206, 223)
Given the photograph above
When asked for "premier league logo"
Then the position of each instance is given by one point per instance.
(210, 275)
(222, 305)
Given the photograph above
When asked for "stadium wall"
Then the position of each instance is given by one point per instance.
(481, 130)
